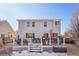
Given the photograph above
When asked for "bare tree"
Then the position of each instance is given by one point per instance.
(75, 23)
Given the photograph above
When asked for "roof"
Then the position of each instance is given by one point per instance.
(38, 19)
(5, 23)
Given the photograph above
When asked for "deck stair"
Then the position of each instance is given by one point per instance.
(35, 47)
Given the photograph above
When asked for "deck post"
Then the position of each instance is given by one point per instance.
(41, 45)
(29, 43)
(59, 33)
(50, 41)
(64, 41)
(21, 41)
(58, 41)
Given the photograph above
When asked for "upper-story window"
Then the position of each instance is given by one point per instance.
(57, 22)
(33, 24)
(45, 24)
(28, 24)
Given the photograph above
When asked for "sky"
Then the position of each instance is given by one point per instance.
(14, 11)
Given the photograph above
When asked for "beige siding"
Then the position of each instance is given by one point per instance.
(39, 28)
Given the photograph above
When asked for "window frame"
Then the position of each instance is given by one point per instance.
(28, 24)
(33, 24)
(45, 23)
(30, 35)
(57, 22)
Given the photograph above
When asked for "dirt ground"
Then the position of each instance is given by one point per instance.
(72, 50)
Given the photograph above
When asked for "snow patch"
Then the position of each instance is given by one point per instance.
(27, 53)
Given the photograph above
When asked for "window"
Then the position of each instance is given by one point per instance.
(29, 35)
(45, 24)
(55, 34)
(2, 35)
(57, 22)
(45, 35)
(28, 24)
(33, 24)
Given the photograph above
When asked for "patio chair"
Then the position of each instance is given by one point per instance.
(18, 41)
(25, 41)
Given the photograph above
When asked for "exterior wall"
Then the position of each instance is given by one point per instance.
(6, 29)
(39, 28)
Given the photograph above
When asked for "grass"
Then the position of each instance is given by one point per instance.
(72, 50)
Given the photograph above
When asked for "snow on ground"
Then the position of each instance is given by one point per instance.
(27, 53)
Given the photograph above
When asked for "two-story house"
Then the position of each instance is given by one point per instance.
(38, 28)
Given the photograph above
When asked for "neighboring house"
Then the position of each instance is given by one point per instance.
(6, 32)
(38, 28)
(70, 36)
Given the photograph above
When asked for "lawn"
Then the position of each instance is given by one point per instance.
(72, 50)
